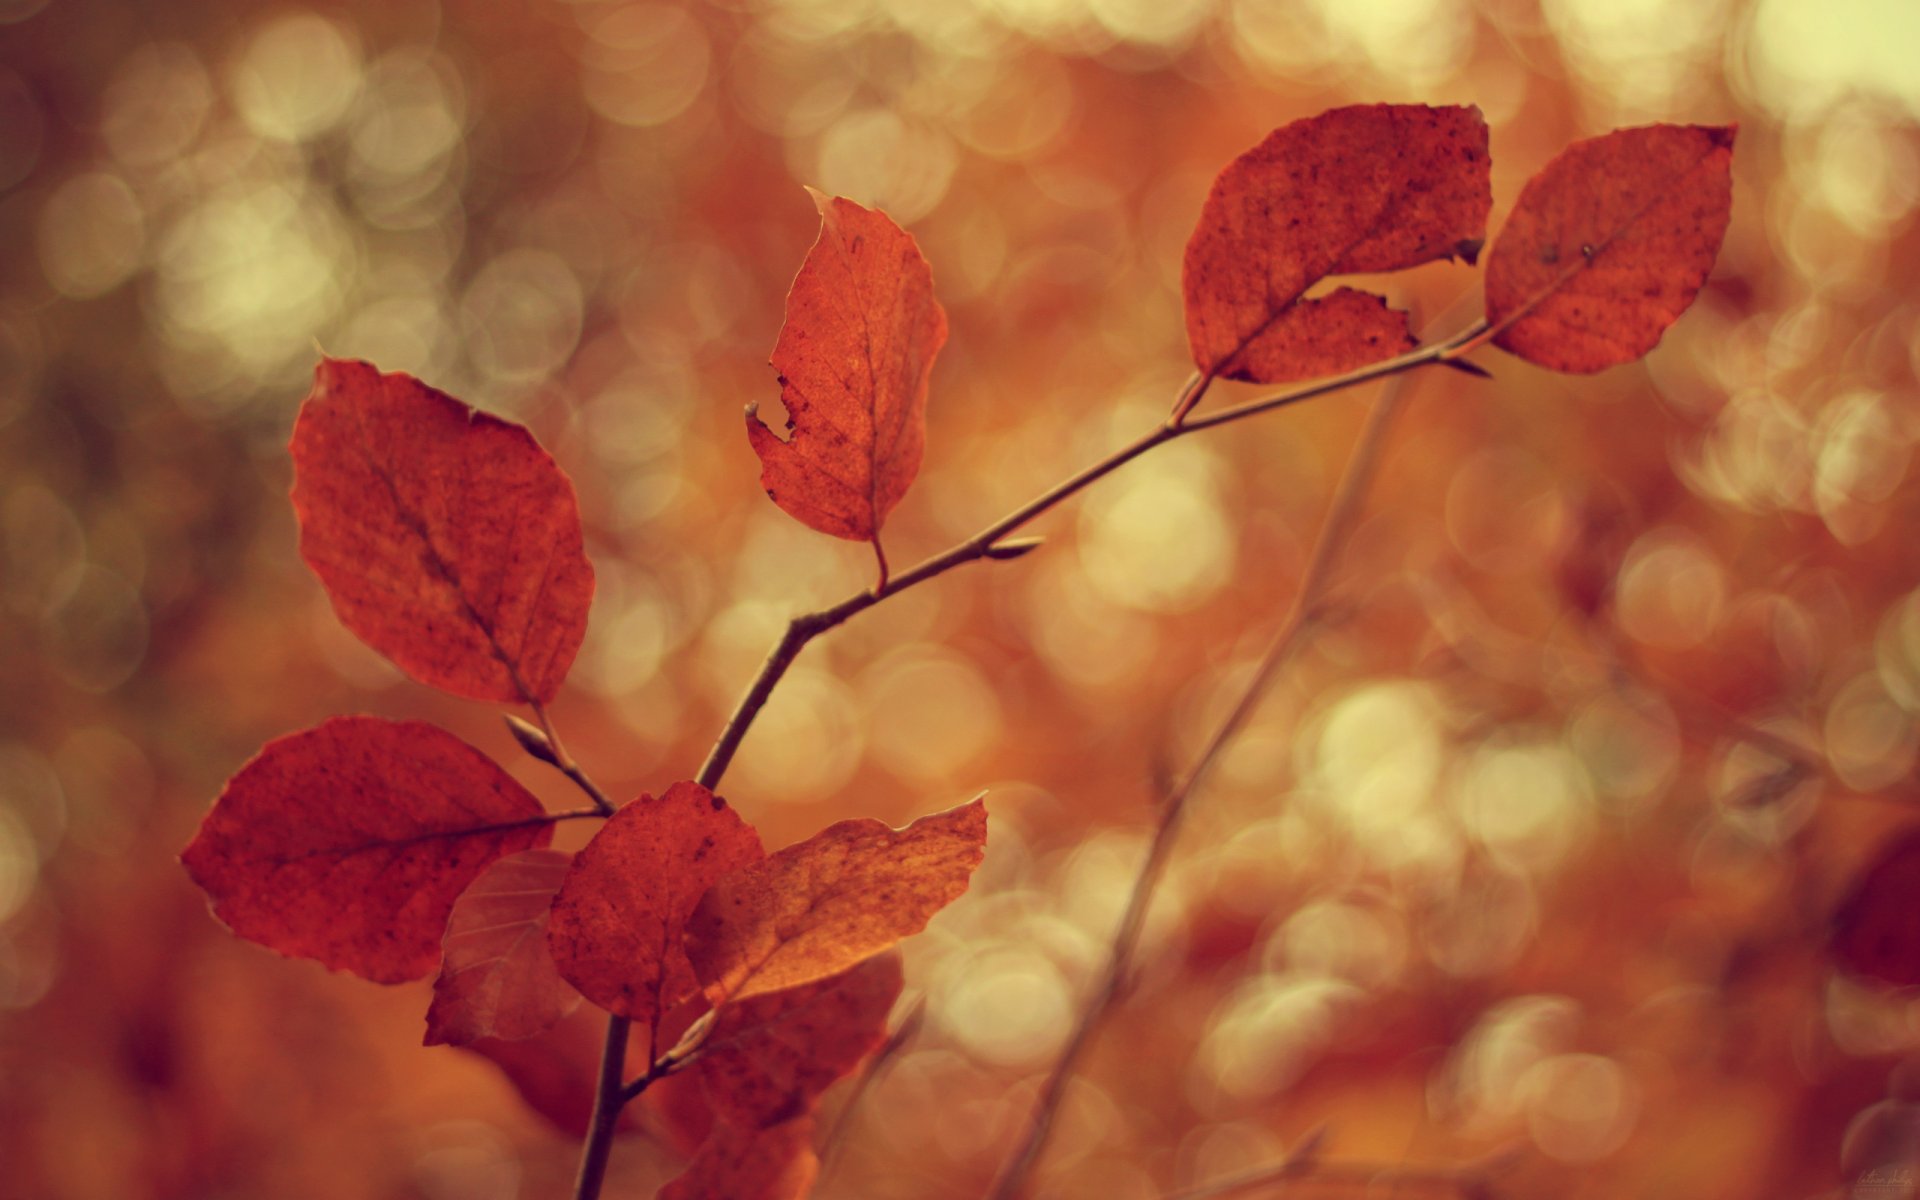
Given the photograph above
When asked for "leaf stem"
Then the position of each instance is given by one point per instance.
(1306, 613)
(563, 762)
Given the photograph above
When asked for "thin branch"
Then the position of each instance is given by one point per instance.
(1465, 1182)
(611, 1094)
(805, 628)
(876, 1065)
(563, 762)
(1304, 615)
(608, 1098)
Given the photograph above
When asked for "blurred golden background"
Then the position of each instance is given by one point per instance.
(1497, 868)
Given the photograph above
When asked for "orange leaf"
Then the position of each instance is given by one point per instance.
(497, 978)
(1608, 245)
(555, 1070)
(820, 906)
(348, 842)
(854, 354)
(1876, 931)
(767, 1059)
(1377, 187)
(618, 918)
(448, 540)
(761, 1164)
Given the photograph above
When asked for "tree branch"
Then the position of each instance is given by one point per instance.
(1367, 1175)
(608, 1098)
(805, 628)
(1304, 615)
(611, 1094)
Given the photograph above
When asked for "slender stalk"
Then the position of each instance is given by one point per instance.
(876, 1064)
(565, 764)
(805, 628)
(608, 1098)
(611, 1094)
(1304, 615)
(1366, 1175)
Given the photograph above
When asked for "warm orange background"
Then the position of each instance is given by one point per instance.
(1487, 874)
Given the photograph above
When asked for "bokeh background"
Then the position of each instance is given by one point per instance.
(1501, 867)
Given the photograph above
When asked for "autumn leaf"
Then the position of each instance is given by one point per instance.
(820, 906)
(757, 1164)
(497, 978)
(347, 843)
(555, 1070)
(447, 539)
(861, 331)
(1609, 244)
(767, 1059)
(1876, 930)
(1376, 187)
(617, 921)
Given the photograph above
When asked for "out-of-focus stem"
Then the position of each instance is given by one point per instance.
(1304, 615)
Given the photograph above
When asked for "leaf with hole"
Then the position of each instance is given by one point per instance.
(1372, 187)
(854, 354)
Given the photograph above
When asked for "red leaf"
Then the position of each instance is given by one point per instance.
(768, 1059)
(448, 540)
(497, 978)
(1376, 187)
(617, 921)
(348, 842)
(1608, 245)
(861, 332)
(820, 906)
(556, 1071)
(1876, 931)
(762, 1164)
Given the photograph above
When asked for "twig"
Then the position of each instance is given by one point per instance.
(1305, 613)
(805, 628)
(608, 1098)
(875, 1066)
(611, 1094)
(563, 761)
(1334, 1174)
